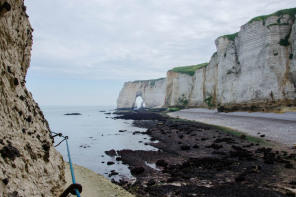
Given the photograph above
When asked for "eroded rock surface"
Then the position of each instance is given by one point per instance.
(29, 164)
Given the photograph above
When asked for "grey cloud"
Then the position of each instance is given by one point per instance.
(129, 39)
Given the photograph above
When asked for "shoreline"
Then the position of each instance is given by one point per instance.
(280, 128)
(93, 184)
(199, 159)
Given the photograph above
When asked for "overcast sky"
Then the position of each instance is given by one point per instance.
(84, 51)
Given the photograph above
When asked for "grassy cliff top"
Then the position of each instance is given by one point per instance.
(231, 36)
(189, 70)
(150, 80)
(291, 12)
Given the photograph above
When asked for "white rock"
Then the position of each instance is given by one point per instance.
(252, 70)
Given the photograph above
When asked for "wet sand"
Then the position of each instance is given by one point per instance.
(280, 128)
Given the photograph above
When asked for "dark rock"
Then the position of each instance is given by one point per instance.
(288, 193)
(29, 119)
(215, 146)
(195, 146)
(5, 181)
(151, 182)
(110, 163)
(113, 173)
(121, 131)
(243, 137)
(269, 161)
(138, 170)
(10, 152)
(289, 165)
(84, 146)
(218, 153)
(140, 116)
(72, 114)
(111, 153)
(240, 178)
(161, 163)
(13, 194)
(16, 82)
(185, 147)
(262, 135)
(118, 159)
(170, 180)
(226, 139)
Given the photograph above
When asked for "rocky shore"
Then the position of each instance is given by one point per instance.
(200, 160)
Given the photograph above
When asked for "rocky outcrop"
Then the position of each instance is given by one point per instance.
(254, 69)
(151, 91)
(29, 164)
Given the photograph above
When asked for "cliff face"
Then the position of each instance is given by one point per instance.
(254, 69)
(178, 86)
(151, 91)
(257, 68)
(29, 164)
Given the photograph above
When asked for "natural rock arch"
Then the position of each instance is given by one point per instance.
(151, 91)
(139, 101)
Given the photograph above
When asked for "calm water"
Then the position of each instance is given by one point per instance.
(91, 134)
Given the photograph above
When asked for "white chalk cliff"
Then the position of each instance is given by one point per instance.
(29, 164)
(151, 91)
(252, 69)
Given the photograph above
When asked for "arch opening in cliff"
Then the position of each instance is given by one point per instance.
(139, 103)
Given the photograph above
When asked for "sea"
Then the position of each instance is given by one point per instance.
(91, 134)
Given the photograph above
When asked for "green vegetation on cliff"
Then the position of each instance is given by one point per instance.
(150, 80)
(189, 70)
(231, 36)
(291, 12)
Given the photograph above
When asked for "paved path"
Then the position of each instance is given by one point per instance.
(276, 127)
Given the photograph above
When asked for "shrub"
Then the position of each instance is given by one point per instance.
(182, 101)
(208, 101)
